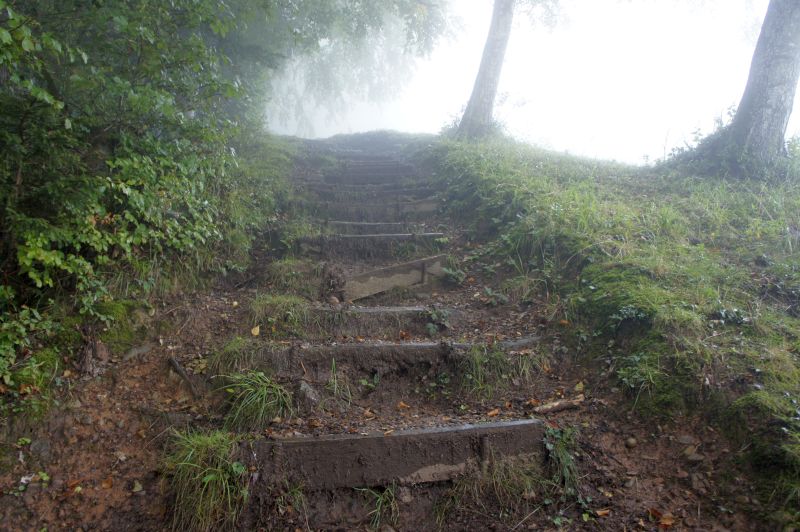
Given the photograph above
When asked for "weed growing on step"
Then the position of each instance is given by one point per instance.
(438, 320)
(236, 355)
(281, 314)
(291, 499)
(384, 506)
(484, 369)
(300, 277)
(561, 445)
(454, 275)
(339, 385)
(255, 400)
(507, 489)
(209, 486)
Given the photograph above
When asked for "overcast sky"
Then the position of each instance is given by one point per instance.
(612, 79)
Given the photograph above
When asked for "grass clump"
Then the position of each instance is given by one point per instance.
(484, 369)
(384, 506)
(208, 484)
(281, 314)
(300, 277)
(506, 489)
(338, 385)
(487, 369)
(255, 400)
(237, 354)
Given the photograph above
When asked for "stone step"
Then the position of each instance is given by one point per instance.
(354, 321)
(379, 212)
(364, 176)
(370, 246)
(410, 456)
(407, 274)
(364, 193)
(370, 228)
(314, 363)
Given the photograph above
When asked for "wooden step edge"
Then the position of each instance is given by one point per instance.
(408, 456)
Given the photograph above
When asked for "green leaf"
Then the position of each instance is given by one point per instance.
(5, 36)
(27, 44)
(237, 468)
(67, 123)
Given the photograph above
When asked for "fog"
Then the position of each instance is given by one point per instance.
(610, 79)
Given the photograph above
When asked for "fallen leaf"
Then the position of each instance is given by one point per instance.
(605, 512)
(404, 335)
(255, 331)
(314, 423)
(401, 405)
(67, 373)
(533, 402)
(137, 486)
(666, 521)
(579, 387)
(508, 405)
(107, 483)
(563, 323)
(493, 413)
(386, 433)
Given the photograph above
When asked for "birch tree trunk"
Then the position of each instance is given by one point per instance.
(477, 119)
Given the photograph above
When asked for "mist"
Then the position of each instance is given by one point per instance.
(628, 81)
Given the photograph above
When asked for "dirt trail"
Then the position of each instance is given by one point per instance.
(416, 415)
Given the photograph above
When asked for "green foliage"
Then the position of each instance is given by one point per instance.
(134, 158)
(561, 445)
(209, 486)
(438, 320)
(455, 276)
(255, 400)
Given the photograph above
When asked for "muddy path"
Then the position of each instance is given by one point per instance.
(423, 397)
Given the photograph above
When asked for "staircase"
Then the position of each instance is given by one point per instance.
(378, 390)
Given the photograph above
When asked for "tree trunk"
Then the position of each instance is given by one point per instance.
(477, 119)
(755, 138)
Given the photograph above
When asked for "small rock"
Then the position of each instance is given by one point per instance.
(404, 495)
(630, 482)
(41, 450)
(681, 474)
(695, 458)
(686, 439)
(307, 396)
(333, 300)
(630, 443)
(742, 499)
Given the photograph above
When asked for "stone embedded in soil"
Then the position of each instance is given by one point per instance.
(630, 443)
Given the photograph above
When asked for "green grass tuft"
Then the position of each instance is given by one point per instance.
(208, 484)
(281, 314)
(255, 400)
